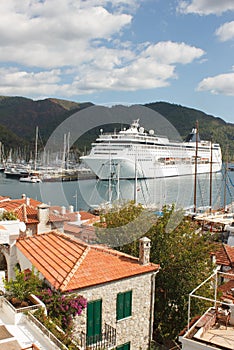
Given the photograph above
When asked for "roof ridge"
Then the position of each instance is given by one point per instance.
(68, 238)
(113, 252)
(67, 279)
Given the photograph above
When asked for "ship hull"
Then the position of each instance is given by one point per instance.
(128, 169)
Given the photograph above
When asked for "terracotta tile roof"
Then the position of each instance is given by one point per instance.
(12, 204)
(73, 216)
(27, 214)
(224, 255)
(56, 218)
(3, 198)
(226, 289)
(72, 228)
(68, 264)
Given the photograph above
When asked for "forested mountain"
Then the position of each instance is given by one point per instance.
(20, 116)
(184, 119)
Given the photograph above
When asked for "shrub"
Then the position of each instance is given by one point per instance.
(63, 308)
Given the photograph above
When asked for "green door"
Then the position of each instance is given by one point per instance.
(94, 321)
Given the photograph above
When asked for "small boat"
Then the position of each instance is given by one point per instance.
(30, 179)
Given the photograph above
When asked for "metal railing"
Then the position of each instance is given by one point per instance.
(104, 340)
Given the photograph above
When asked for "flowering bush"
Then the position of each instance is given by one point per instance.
(63, 307)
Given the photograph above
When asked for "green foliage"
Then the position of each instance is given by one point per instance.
(183, 254)
(24, 284)
(121, 226)
(7, 215)
(19, 117)
(51, 325)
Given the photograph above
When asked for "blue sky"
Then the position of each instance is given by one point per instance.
(120, 52)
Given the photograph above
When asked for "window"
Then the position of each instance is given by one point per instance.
(124, 305)
(124, 347)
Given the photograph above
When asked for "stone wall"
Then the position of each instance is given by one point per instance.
(134, 329)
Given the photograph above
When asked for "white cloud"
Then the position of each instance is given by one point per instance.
(226, 31)
(172, 52)
(14, 81)
(219, 84)
(149, 66)
(54, 33)
(205, 7)
(76, 47)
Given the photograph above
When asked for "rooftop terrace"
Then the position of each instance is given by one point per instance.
(215, 328)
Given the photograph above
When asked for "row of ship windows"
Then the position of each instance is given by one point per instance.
(147, 147)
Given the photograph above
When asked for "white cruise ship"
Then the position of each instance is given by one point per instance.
(134, 153)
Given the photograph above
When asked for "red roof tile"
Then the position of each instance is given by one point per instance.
(12, 204)
(73, 216)
(225, 255)
(26, 214)
(68, 264)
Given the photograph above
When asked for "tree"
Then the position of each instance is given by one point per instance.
(121, 226)
(183, 254)
(24, 284)
(8, 215)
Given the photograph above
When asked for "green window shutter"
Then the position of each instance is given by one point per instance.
(128, 304)
(94, 318)
(98, 317)
(120, 306)
(124, 305)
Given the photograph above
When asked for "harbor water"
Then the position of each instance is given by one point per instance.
(86, 194)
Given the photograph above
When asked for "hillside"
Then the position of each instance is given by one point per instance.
(184, 119)
(19, 117)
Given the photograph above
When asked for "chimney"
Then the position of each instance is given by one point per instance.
(63, 210)
(43, 213)
(144, 251)
(23, 196)
(71, 209)
(27, 201)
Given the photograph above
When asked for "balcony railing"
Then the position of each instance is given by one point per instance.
(105, 340)
(46, 332)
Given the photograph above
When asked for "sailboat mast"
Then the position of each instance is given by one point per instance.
(195, 171)
(225, 180)
(36, 141)
(211, 178)
(135, 185)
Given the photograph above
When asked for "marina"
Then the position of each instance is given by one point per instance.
(89, 193)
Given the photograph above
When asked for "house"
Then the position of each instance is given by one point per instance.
(78, 224)
(119, 288)
(224, 258)
(214, 329)
(36, 215)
